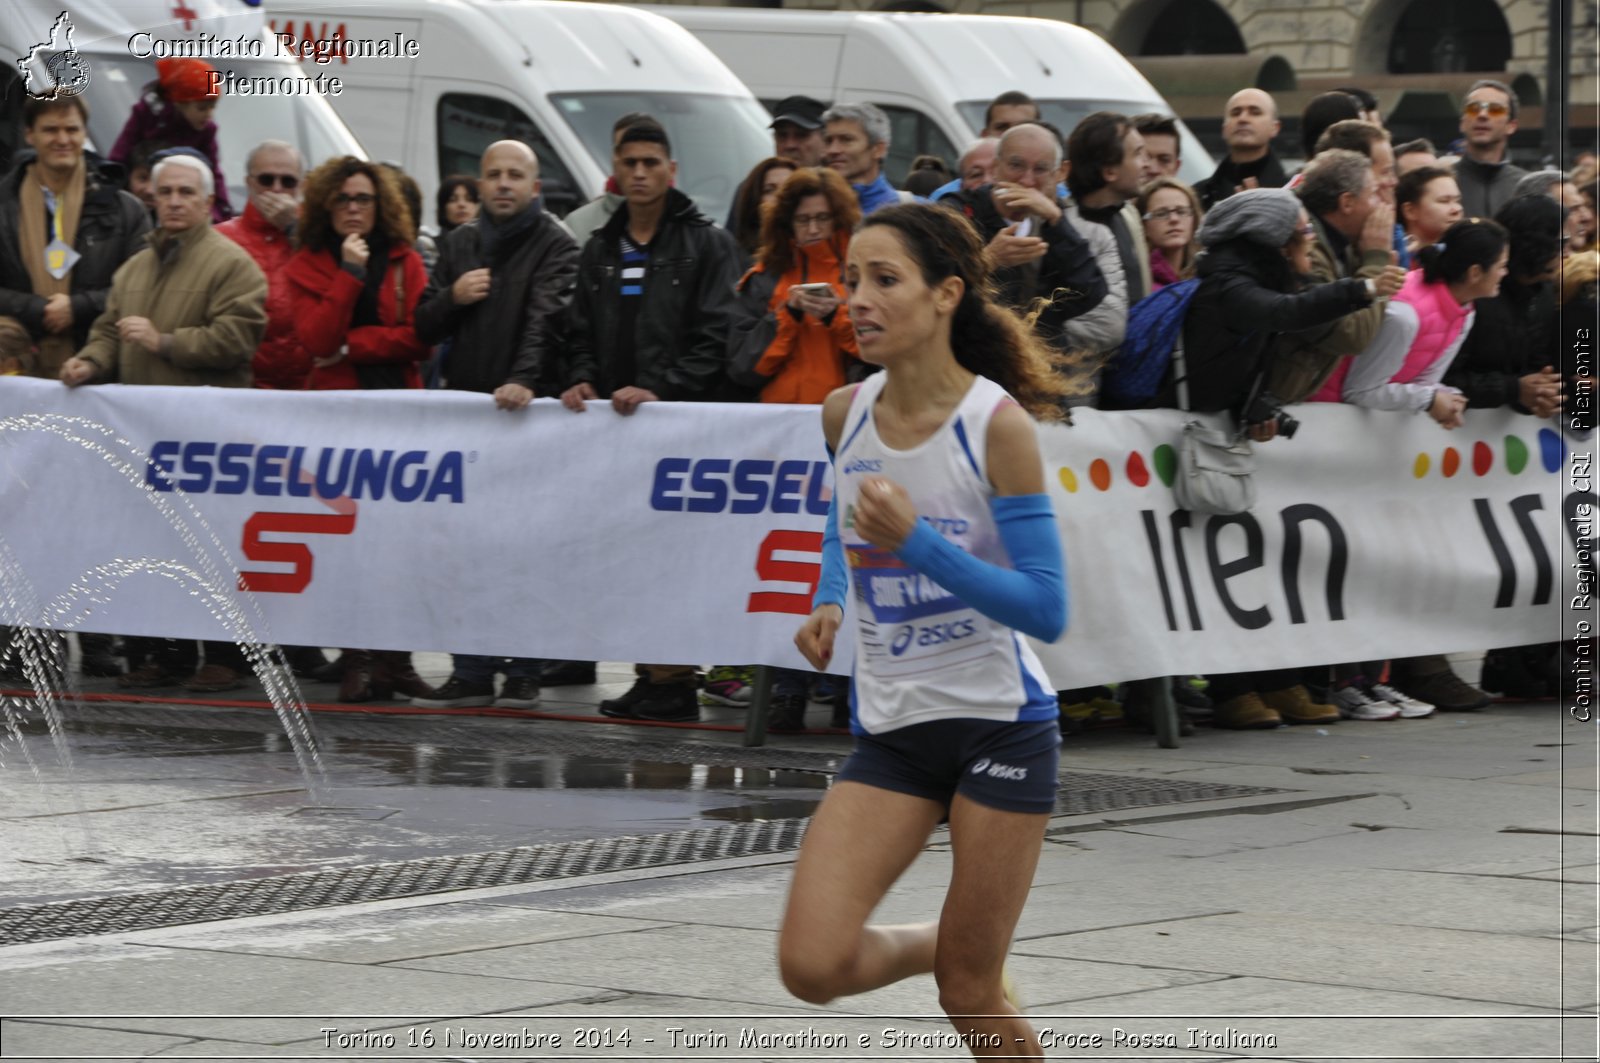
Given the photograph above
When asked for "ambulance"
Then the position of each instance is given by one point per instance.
(933, 74)
(110, 48)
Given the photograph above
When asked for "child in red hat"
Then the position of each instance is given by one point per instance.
(176, 109)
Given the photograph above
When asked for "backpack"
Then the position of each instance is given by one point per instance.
(1155, 324)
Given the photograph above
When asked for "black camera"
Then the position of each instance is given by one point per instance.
(1263, 407)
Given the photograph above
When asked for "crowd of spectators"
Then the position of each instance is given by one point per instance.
(1380, 274)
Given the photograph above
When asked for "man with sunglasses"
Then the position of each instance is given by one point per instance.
(273, 174)
(1488, 118)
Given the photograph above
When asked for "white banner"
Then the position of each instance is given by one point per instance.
(691, 533)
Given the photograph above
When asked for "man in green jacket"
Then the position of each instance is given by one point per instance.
(189, 309)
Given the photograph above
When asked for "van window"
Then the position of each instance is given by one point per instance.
(468, 124)
(716, 139)
(912, 133)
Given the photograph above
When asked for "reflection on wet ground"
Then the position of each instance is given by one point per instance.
(149, 806)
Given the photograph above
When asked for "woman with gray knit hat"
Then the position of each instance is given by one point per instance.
(1256, 245)
(1256, 252)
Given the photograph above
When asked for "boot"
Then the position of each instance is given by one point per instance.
(356, 685)
(331, 672)
(394, 675)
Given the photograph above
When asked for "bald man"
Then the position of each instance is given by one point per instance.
(499, 295)
(1248, 127)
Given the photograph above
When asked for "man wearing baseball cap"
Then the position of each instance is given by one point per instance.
(797, 130)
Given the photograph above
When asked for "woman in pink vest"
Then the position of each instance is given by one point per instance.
(1424, 326)
(1403, 369)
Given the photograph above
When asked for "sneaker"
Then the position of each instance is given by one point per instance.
(519, 692)
(1354, 704)
(787, 712)
(458, 693)
(1245, 712)
(1410, 708)
(668, 703)
(566, 673)
(1443, 690)
(728, 686)
(1295, 706)
(1094, 711)
(622, 708)
(213, 679)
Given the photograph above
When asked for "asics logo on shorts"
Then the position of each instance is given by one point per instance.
(1009, 772)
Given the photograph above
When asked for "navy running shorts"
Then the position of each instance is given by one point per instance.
(999, 764)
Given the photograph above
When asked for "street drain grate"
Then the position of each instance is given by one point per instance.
(1080, 792)
(374, 882)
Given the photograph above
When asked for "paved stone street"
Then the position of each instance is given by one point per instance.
(1410, 889)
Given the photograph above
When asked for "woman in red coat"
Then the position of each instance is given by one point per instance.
(355, 283)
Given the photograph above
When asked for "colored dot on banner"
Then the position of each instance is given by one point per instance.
(1138, 475)
(1069, 480)
(1165, 460)
(1100, 474)
(1419, 468)
(1550, 450)
(1482, 457)
(1451, 462)
(1516, 454)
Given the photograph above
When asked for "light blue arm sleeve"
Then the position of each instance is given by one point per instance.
(1031, 596)
(834, 586)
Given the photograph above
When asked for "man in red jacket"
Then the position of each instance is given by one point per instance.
(273, 174)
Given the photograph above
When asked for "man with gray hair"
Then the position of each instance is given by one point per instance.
(1484, 172)
(274, 172)
(1033, 248)
(189, 309)
(855, 139)
(1561, 188)
(1353, 237)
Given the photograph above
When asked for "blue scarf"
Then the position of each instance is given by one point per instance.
(877, 195)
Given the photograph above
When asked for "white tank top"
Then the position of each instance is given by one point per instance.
(922, 653)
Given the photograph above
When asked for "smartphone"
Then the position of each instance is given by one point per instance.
(822, 288)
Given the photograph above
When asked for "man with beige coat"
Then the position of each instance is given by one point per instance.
(189, 309)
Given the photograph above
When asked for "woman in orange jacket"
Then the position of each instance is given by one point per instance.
(793, 339)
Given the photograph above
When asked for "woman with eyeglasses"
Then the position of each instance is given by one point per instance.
(792, 339)
(356, 281)
(1171, 213)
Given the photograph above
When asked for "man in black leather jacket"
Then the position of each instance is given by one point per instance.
(655, 296)
(650, 322)
(502, 286)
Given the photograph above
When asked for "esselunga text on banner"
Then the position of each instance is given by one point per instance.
(693, 532)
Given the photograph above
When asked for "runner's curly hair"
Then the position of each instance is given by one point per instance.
(322, 184)
(988, 337)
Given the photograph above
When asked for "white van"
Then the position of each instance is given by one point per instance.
(109, 33)
(933, 74)
(553, 74)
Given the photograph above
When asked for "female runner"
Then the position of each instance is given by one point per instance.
(940, 508)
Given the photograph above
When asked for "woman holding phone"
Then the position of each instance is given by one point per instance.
(792, 338)
(939, 481)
